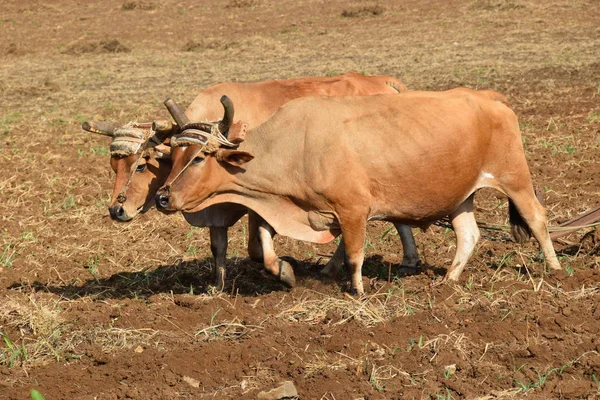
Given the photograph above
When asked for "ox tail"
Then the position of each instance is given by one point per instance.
(518, 227)
(397, 85)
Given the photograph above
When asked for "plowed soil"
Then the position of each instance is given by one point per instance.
(94, 309)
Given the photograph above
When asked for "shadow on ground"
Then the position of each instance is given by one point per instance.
(244, 277)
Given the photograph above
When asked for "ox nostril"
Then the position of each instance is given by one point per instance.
(162, 201)
(116, 212)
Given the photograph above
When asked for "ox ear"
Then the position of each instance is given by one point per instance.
(233, 157)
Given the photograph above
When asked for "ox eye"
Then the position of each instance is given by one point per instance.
(197, 160)
(140, 168)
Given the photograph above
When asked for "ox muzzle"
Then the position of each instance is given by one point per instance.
(117, 213)
(162, 201)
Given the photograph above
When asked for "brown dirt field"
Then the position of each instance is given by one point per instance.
(93, 309)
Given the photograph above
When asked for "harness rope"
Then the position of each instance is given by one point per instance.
(191, 134)
(445, 223)
(572, 227)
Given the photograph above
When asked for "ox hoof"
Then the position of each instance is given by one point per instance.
(411, 264)
(554, 265)
(286, 272)
(355, 292)
(406, 269)
(451, 277)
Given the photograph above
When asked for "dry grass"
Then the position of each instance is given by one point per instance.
(231, 330)
(457, 341)
(44, 335)
(321, 362)
(114, 339)
(39, 326)
(382, 377)
(369, 310)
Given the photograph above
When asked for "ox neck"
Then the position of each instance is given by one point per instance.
(268, 172)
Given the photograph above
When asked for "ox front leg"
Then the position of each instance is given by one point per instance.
(354, 238)
(273, 263)
(218, 247)
(409, 247)
(467, 236)
(254, 248)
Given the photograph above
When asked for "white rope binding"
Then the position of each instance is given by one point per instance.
(131, 139)
(211, 141)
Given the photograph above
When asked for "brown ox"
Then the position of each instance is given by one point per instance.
(141, 168)
(324, 166)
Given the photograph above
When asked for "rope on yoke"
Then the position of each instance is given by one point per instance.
(194, 133)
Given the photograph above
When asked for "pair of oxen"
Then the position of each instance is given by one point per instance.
(314, 158)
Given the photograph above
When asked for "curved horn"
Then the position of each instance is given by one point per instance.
(176, 112)
(203, 126)
(100, 127)
(162, 126)
(162, 148)
(227, 115)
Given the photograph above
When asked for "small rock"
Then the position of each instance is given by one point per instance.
(191, 381)
(450, 370)
(376, 350)
(286, 390)
(139, 349)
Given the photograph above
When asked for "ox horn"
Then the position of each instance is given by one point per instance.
(164, 129)
(227, 115)
(162, 126)
(163, 148)
(176, 112)
(100, 127)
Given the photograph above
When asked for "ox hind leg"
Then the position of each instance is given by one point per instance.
(534, 215)
(409, 259)
(467, 236)
(218, 247)
(409, 247)
(255, 251)
(272, 262)
(334, 265)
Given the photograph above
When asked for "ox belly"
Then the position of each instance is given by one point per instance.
(218, 215)
(419, 204)
(287, 218)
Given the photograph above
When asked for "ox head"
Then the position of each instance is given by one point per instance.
(202, 155)
(140, 160)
